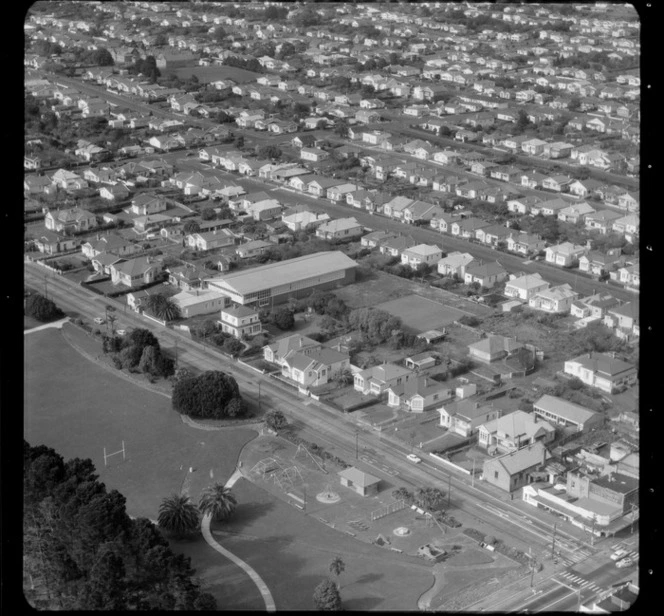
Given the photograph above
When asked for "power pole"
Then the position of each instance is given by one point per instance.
(449, 489)
(176, 354)
(553, 542)
(357, 449)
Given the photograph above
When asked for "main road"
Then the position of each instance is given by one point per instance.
(336, 428)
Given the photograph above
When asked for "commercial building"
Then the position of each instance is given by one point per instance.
(277, 282)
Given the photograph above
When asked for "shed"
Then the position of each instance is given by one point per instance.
(432, 336)
(359, 481)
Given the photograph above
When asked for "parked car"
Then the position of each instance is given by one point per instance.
(625, 562)
(619, 554)
(99, 321)
(413, 458)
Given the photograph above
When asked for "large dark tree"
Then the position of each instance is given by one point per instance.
(83, 552)
(218, 501)
(327, 597)
(41, 308)
(207, 395)
(178, 516)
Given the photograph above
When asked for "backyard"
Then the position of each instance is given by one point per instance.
(206, 74)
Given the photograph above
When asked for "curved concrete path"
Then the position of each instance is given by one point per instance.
(207, 535)
(54, 324)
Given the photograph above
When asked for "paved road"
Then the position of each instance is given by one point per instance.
(512, 263)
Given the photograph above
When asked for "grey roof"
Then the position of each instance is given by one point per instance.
(523, 459)
(562, 408)
(358, 477)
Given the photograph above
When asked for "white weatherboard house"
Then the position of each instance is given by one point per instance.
(602, 371)
(422, 253)
(526, 286)
(513, 431)
(239, 321)
(192, 303)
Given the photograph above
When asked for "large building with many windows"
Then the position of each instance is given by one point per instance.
(276, 283)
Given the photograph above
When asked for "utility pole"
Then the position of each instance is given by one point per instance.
(259, 395)
(449, 489)
(472, 477)
(357, 449)
(553, 542)
(176, 354)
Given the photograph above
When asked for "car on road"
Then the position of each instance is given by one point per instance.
(619, 554)
(625, 562)
(413, 458)
(99, 321)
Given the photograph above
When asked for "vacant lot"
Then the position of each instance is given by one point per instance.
(206, 74)
(421, 314)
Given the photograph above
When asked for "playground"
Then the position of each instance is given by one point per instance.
(310, 484)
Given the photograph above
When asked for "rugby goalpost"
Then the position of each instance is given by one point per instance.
(115, 453)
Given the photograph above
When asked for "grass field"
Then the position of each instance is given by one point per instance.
(296, 550)
(78, 408)
(207, 74)
(419, 313)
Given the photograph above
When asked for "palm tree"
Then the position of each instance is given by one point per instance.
(162, 307)
(337, 566)
(217, 501)
(178, 515)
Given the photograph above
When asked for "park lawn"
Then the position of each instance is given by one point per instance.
(456, 581)
(231, 586)
(380, 287)
(78, 408)
(419, 313)
(292, 551)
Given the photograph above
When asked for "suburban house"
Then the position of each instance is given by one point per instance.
(514, 431)
(315, 367)
(455, 263)
(421, 361)
(70, 220)
(486, 274)
(525, 287)
(209, 240)
(239, 321)
(575, 212)
(514, 470)
(493, 347)
(492, 235)
(418, 395)
(467, 227)
(598, 263)
(394, 246)
(276, 352)
(187, 277)
(554, 299)
(624, 320)
(373, 239)
(602, 371)
(52, 243)
(252, 249)
(109, 243)
(601, 221)
(464, 417)
(193, 302)
(422, 253)
(565, 254)
(301, 220)
(377, 379)
(135, 272)
(561, 413)
(340, 228)
(594, 306)
(266, 209)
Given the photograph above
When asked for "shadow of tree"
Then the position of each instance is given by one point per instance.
(245, 513)
(367, 578)
(361, 604)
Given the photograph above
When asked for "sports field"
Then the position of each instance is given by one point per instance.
(206, 74)
(420, 314)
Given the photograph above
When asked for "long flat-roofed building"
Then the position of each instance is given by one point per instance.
(277, 282)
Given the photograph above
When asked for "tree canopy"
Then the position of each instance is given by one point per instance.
(41, 308)
(326, 597)
(83, 552)
(211, 395)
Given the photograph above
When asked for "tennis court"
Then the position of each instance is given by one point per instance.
(420, 314)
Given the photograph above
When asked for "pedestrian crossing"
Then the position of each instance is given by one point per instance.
(579, 582)
(572, 558)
